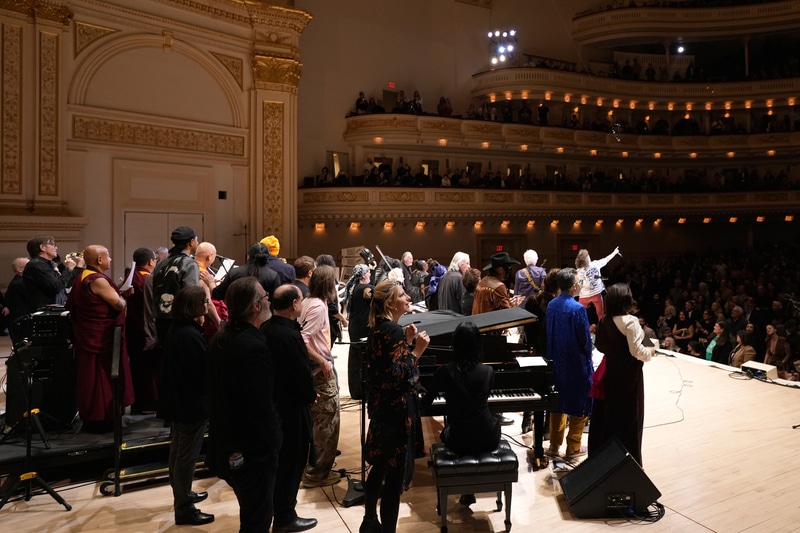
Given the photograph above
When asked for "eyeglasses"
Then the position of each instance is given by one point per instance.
(265, 297)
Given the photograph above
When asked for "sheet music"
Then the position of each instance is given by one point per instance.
(227, 265)
(530, 361)
(129, 280)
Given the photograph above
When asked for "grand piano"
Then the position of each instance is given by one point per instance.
(522, 382)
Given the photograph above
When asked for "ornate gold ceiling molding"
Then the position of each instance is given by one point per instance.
(85, 128)
(85, 34)
(234, 65)
(39, 9)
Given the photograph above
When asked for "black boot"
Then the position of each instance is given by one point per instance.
(527, 426)
(370, 525)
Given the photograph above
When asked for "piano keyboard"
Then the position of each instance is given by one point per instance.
(501, 395)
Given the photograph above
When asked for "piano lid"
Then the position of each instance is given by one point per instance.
(438, 323)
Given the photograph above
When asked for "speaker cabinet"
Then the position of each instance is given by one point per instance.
(609, 484)
(52, 391)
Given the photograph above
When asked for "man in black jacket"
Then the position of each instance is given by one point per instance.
(44, 283)
(244, 428)
(294, 393)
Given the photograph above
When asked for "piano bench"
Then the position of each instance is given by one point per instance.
(493, 471)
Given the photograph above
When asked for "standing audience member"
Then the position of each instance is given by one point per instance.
(529, 280)
(294, 393)
(184, 400)
(435, 274)
(144, 363)
(244, 431)
(618, 410)
(451, 287)
(16, 299)
(470, 280)
(569, 346)
(44, 283)
(279, 265)
(491, 293)
(407, 261)
(394, 429)
(205, 256)
(357, 299)
(335, 316)
(256, 266)
(590, 279)
(303, 270)
(466, 383)
(417, 283)
(316, 335)
(171, 275)
(97, 306)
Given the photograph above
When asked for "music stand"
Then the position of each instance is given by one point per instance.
(29, 477)
(355, 487)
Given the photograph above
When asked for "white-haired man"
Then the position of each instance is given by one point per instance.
(529, 280)
(451, 289)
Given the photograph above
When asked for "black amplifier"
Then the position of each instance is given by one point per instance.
(47, 325)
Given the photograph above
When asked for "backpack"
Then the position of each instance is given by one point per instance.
(167, 283)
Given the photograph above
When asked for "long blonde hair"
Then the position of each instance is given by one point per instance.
(384, 294)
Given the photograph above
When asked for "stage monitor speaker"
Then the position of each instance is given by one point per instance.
(53, 377)
(609, 484)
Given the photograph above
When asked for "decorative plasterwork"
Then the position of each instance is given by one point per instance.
(234, 65)
(272, 168)
(440, 125)
(402, 196)
(459, 197)
(135, 134)
(39, 9)
(85, 34)
(11, 128)
(498, 197)
(484, 128)
(48, 114)
(600, 199)
(336, 197)
(276, 73)
(391, 122)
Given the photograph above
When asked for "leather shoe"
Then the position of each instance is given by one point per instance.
(298, 524)
(197, 518)
(504, 420)
(199, 496)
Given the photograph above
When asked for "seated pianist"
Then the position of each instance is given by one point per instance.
(466, 382)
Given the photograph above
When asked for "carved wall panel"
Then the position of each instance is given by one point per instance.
(11, 110)
(272, 168)
(48, 114)
(85, 34)
(234, 65)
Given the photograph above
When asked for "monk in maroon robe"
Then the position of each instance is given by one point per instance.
(96, 308)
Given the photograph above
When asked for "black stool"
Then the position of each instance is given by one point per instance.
(493, 471)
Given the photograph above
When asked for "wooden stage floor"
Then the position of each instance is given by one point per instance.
(720, 448)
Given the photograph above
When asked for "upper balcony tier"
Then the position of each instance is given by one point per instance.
(639, 25)
(391, 133)
(562, 86)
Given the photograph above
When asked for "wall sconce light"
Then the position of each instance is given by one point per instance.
(681, 220)
(577, 223)
(378, 140)
(388, 224)
(355, 225)
(651, 106)
(639, 221)
(730, 154)
(620, 221)
(531, 223)
(420, 224)
(442, 142)
(319, 226)
(554, 223)
(598, 222)
(733, 220)
(708, 106)
(484, 145)
(624, 154)
(657, 155)
(505, 223)
(671, 106)
(592, 152)
(706, 220)
(770, 152)
(560, 150)
(567, 97)
(693, 155)
(523, 147)
(788, 218)
(583, 100)
(450, 223)
(656, 222)
(479, 223)
(760, 219)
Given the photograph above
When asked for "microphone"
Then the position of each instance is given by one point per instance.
(223, 258)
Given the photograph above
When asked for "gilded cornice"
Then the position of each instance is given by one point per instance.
(277, 73)
(85, 128)
(85, 34)
(39, 9)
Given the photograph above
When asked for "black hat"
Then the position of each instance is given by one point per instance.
(182, 235)
(501, 260)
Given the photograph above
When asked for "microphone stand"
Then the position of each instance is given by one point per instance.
(355, 487)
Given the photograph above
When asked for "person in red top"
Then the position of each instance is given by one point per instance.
(97, 308)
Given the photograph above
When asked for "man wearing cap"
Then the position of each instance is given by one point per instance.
(178, 270)
(491, 294)
(284, 270)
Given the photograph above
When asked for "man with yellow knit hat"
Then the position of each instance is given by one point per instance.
(285, 271)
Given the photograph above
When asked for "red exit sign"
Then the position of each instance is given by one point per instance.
(392, 85)
(498, 248)
(574, 247)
